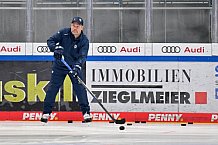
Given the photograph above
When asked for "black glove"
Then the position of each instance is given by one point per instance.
(58, 52)
(76, 70)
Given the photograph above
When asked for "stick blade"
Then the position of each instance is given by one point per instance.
(121, 121)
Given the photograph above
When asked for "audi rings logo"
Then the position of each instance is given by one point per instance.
(43, 49)
(107, 49)
(171, 49)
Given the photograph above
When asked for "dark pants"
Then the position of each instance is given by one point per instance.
(57, 78)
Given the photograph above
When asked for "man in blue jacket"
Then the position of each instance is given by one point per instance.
(73, 45)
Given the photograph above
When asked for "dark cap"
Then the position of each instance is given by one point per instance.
(79, 20)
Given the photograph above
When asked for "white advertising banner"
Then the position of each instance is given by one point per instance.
(41, 49)
(90, 49)
(182, 49)
(120, 49)
(12, 48)
(215, 49)
(153, 86)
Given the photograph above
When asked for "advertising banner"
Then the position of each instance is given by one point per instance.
(215, 49)
(138, 117)
(23, 87)
(137, 81)
(12, 49)
(118, 49)
(153, 86)
(182, 49)
(41, 49)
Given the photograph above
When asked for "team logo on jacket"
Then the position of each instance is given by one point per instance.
(75, 46)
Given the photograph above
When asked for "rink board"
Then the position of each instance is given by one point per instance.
(137, 81)
(101, 116)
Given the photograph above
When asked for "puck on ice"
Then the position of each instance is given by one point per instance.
(70, 121)
(121, 127)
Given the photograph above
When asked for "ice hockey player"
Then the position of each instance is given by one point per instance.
(73, 45)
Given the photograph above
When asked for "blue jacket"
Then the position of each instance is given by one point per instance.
(75, 50)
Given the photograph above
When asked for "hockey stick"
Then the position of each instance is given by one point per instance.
(121, 121)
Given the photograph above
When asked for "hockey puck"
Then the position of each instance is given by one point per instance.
(183, 124)
(70, 121)
(121, 127)
(129, 124)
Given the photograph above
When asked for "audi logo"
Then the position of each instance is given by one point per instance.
(43, 49)
(171, 49)
(107, 49)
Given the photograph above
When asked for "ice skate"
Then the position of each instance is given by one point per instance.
(87, 118)
(44, 118)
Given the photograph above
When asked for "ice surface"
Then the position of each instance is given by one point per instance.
(104, 133)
